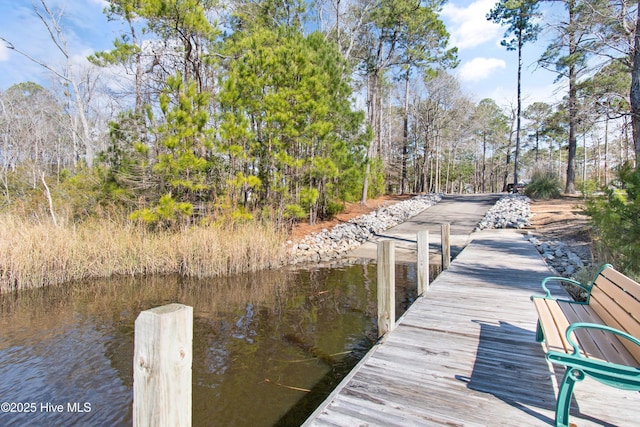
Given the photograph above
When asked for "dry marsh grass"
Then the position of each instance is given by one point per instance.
(34, 254)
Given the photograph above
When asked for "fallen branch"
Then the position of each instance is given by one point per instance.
(266, 380)
(48, 193)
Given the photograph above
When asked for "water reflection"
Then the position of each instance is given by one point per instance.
(268, 347)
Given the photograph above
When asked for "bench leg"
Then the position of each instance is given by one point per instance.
(571, 376)
(539, 333)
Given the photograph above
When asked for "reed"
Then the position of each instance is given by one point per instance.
(34, 254)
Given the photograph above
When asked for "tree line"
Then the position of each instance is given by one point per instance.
(286, 109)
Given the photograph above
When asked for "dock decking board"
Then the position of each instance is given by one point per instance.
(465, 355)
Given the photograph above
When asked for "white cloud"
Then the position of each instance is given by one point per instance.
(479, 69)
(85, 28)
(4, 52)
(550, 93)
(469, 26)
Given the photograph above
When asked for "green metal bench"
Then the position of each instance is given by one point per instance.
(599, 337)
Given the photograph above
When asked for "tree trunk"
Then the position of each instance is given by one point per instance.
(437, 175)
(635, 93)
(573, 107)
(508, 157)
(606, 151)
(371, 152)
(516, 156)
(425, 161)
(484, 160)
(405, 136)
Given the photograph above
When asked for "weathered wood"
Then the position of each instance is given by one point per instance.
(445, 229)
(386, 287)
(423, 261)
(590, 352)
(465, 354)
(611, 304)
(162, 366)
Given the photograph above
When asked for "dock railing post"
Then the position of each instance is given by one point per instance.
(446, 245)
(386, 287)
(162, 366)
(423, 261)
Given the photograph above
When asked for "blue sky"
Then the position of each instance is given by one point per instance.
(487, 70)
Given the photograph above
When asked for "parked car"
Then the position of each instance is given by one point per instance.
(518, 188)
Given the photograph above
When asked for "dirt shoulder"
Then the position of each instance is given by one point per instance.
(351, 210)
(564, 220)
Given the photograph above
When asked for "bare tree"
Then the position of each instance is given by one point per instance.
(51, 20)
(344, 22)
(33, 128)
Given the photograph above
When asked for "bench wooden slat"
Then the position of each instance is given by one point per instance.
(597, 344)
(588, 340)
(618, 309)
(624, 282)
(611, 313)
(618, 318)
(553, 324)
(614, 301)
(609, 294)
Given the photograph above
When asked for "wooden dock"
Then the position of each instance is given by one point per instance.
(465, 355)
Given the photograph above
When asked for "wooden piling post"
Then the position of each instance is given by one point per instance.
(162, 366)
(386, 287)
(423, 261)
(446, 245)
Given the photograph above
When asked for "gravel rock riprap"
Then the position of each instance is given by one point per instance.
(330, 244)
(560, 256)
(513, 211)
(510, 211)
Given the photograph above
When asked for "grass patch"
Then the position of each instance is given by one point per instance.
(544, 185)
(38, 253)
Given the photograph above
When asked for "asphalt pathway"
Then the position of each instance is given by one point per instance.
(462, 212)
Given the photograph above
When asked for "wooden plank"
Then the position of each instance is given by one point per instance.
(626, 283)
(617, 308)
(605, 348)
(162, 366)
(612, 299)
(465, 354)
(554, 324)
(556, 318)
(445, 407)
(445, 239)
(422, 239)
(590, 340)
(386, 287)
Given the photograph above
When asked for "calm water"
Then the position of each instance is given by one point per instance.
(268, 347)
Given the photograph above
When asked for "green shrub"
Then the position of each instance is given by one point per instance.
(294, 212)
(615, 220)
(333, 208)
(166, 212)
(543, 185)
(588, 187)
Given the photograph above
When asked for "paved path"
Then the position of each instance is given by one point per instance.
(465, 354)
(463, 212)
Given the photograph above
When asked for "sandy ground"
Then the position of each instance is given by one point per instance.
(563, 219)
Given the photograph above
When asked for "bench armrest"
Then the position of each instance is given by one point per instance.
(562, 279)
(584, 325)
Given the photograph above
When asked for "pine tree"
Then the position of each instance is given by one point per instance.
(520, 16)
